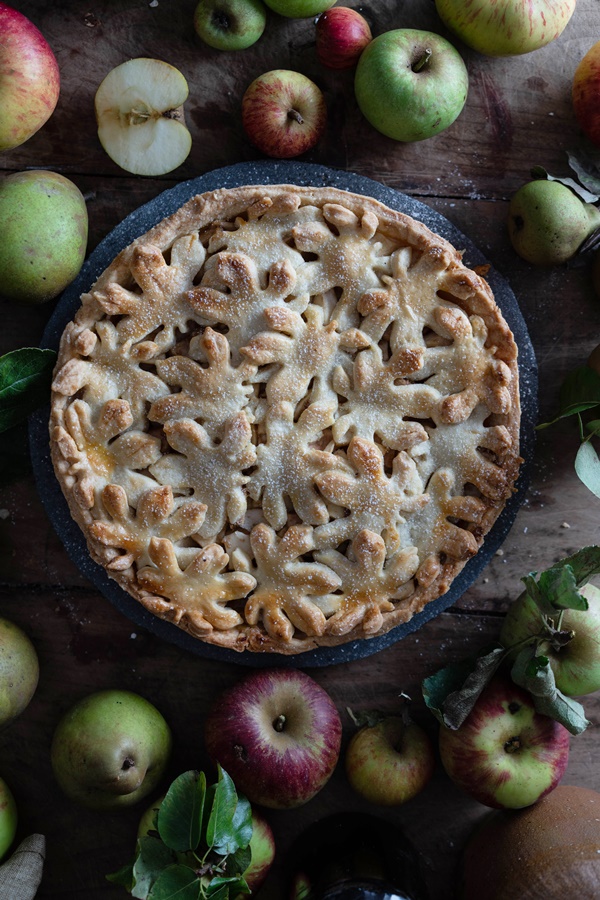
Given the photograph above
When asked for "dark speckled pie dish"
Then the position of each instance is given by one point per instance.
(352, 449)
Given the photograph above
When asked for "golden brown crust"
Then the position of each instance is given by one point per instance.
(286, 417)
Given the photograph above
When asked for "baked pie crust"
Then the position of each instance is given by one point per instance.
(286, 417)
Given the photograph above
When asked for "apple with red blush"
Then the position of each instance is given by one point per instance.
(505, 754)
(283, 113)
(277, 733)
(389, 760)
(29, 79)
(341, 36)
(586, 94)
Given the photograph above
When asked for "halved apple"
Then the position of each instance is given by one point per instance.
(139, 110)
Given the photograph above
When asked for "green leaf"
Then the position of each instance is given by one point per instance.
(451, 693)
(586, 165)
(242, 823)
(25, 377)
(220, 893)
(176, 883)
(220, 832)
(535, 674)
(587, 196)
(180, 814)
(593, 428)
(580, 391)
(237, 863)
(559, 586)
(151, 859)
(123, 877)
(587, 466)
(234, 886)
(584, 563)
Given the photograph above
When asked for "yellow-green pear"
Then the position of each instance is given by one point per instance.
(547, 222)
(19, 671)
(43, 235)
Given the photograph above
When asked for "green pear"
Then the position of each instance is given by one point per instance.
(43, 235)
(8, 818)
(19, 671)
(547, 222)
(110, 749)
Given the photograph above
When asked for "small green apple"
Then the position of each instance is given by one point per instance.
(230, 24)
(547, 222)
(19, 671)
(110, 750)
(410, 84)
(299, 9)
(44, 235)
(8, 818)
(506, 27)
(576, 665)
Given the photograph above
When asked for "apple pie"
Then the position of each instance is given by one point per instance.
(286, 417)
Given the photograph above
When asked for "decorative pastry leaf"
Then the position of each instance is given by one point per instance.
(286, 583)
(25, 376)
(369, 584)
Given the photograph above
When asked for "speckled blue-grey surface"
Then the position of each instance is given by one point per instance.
(270, 172)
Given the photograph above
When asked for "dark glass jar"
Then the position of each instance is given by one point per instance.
(354, 856)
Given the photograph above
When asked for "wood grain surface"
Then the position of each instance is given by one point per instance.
(518, 114)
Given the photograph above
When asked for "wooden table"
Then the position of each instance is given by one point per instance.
(518, 114)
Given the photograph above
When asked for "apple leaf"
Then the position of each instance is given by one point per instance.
(25, 377)
(221, 833)
(584, 563)
(586, 165)
(579, 392)
(233, 887)
(221, 893)
(180, 814)
(535, 675)
(559, 586)
(587, 196)
(176, 882)
(151, 859)
(451, 693)
(238, 862)
(587, 466)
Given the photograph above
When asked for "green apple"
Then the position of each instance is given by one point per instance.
(410, 84)
(389, 762)
(547, 222)
(506, 27)
(230, 24)
(8, 818)
(576, 665)
(19, 671)
(299, 9)
(110, 750)
(44, 235)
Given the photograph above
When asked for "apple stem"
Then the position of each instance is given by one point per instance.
(279, 723)
(422, 61)
(513, 744)
(295, 115)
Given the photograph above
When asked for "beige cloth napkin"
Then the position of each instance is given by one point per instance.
(21, 874)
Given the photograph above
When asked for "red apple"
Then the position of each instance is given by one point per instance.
(277, 733)
(283, 113)
(390, 762)
(342, 34)
(506, 755)
(586, 94)
(29, 78)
